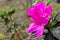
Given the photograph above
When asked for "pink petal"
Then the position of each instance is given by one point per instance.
(32, 14)
(39, 8)
(32, 28)
(49, 10)
(40, 5)
(45, 21)
(40, 14)
(39, 31)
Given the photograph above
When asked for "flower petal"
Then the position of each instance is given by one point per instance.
(40, 5)
(32, 28)
(32, 14)
(48, 10)
(39, 31)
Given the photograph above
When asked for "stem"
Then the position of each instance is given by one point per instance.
(6, 29)
(37, 39)
(16, 32)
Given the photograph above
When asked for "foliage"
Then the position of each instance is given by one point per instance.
(49, 2)
(39, 0)
(1, 36)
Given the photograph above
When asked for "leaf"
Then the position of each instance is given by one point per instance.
(6, 12)
(15, 25)
(39, 0)
(57, 17)
(6, 21)
(49, 36)
(56, 32)
(2, 13)
(55, 22)
(9, 30)
(50, 24)
(11, 12)
(1, 36)
(49, 2)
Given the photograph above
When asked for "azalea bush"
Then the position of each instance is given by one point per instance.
(38, 23)
(41, 17)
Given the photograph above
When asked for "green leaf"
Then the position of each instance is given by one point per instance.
(15, 25)
(6, 21)
(6, 12)
(11, 12)
(56, 32)
(55, 22)
(49, 36)
(1, 36)
(9, 30)
(57, 17)
(49, 2)
(2, 12)
(39, 0)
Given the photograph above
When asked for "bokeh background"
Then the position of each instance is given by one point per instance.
(21, 7)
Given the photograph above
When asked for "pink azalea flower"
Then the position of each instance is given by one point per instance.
(40, 14)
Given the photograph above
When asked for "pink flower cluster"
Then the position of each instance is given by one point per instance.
(40, 13)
